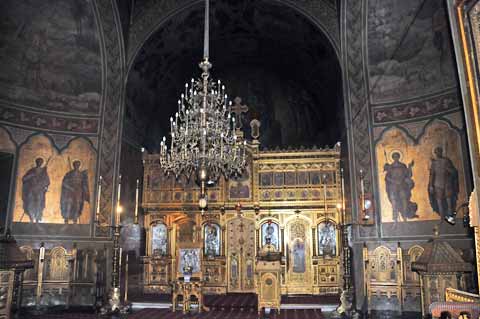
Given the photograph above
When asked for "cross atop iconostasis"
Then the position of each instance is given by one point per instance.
(238, 109)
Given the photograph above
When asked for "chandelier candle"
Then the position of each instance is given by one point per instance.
(203, 139)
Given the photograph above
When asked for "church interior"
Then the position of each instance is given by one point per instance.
(239, 158)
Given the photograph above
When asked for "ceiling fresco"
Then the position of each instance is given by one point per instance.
(280, 64)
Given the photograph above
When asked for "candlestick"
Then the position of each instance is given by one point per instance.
(99, 194)
(343, 195)
(120, 263)
(136, 202)
(119, 207)
(362, 194)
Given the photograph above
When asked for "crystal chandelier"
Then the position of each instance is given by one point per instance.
(203, 142)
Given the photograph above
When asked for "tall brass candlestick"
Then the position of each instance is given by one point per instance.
(136, 202)
(343, 196)
(125, 299)
(362, 194)
(119, 207)
(120, 262)
(99, 194)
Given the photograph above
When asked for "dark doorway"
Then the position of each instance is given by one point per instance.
(6, 165)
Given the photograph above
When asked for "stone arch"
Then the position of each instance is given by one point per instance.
(151, 17)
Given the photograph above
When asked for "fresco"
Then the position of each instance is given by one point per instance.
(409, 49)
(49, 55)
(54, 187)
(416, 182)
(294, 108)
(6, 143)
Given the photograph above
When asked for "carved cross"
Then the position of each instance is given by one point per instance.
(237, 109)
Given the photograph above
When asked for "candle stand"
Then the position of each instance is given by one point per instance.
(115, 304)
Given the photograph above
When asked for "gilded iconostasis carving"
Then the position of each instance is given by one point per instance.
(241, 254)
(420, 179)
(299, 255)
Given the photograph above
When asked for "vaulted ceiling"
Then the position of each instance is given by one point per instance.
(280, 64)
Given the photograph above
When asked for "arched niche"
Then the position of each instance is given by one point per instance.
(418, 153)
(58, 177)
(212, 239)
(158, 239)
(270, 234)
(327, 238)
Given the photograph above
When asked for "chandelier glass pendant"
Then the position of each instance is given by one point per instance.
(203, 135)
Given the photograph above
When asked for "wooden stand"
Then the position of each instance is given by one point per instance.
(268, 284)
(189, 257)
(188, 290)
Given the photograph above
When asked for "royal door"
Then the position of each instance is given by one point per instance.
(298, 248)
(241, 255)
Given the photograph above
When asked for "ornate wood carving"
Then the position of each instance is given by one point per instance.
(241, 254)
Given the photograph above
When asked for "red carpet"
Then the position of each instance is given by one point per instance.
(230, 314)
(231, 306)
(213, 314)
(310, 299)
(237, 301)
(69, 315)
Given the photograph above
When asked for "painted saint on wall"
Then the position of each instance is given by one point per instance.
(55, 190)
(74, 193)
(35, 184)
(443, 186)
(414, 185)
(327, 239)
(399, 185)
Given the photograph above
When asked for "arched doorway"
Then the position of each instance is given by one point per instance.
(299, 252)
